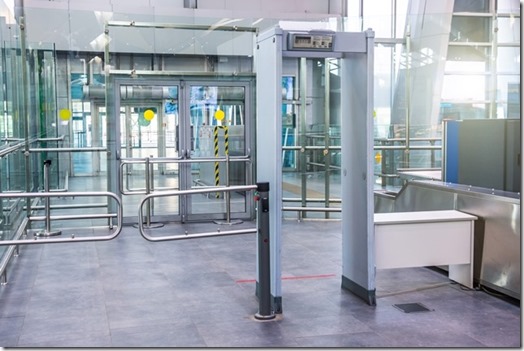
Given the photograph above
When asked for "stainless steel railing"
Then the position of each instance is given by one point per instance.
(46, 195)
(149, 172)
(149, 197)
(11, 251)
(149, 177)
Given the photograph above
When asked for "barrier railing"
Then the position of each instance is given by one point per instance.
(265, 311)
(147, 198)
(150, 162)
(48, 217)
(149, 179)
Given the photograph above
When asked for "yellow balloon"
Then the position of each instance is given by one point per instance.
(64, 114)
(149, 115)
(219, 115)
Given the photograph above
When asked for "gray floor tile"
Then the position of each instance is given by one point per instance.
(353, 340)
(51, 329)
(69, 340)
(147, 312)
(174, 334)
(201, 293)
(246, 332)
(10, 328)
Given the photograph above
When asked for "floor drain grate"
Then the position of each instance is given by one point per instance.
(412, 307)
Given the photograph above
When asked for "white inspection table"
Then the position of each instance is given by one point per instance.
(426, 238)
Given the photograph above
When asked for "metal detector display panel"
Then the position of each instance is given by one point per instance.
(311, 41)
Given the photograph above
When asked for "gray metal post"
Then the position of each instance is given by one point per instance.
(47, 231)
(227, 194)
(148, 191)
(150, 181)
(265, 310)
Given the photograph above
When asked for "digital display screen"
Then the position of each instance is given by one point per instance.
(301, 40)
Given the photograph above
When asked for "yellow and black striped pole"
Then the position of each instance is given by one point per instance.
(226, 140)
(226, 152)
(217, 164)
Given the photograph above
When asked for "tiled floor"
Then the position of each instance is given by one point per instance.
(196, 293)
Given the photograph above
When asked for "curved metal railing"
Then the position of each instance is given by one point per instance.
(42, 240)
(191, 192)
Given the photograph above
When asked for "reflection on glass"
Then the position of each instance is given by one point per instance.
(288, 122)
(217, 118)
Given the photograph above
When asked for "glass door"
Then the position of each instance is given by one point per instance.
(218, 115)
(149, 147)
(178, 136)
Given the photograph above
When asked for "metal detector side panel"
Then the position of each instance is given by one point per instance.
(358, 258)
(268, 63)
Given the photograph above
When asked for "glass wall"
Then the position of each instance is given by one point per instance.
(13, 176)
(59, 99)
(478, 77)
(28, 123)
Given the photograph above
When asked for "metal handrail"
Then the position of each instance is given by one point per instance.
(313, 147)
(118, 215)
(375, 147)
(310, 199)
(411, 147)
(191, 192)
(181, 26)
(312, 209)
(68, 149)
(60, 138)
(411, 139)
(160, 160)
(137, 160)
(11, 148)
(13, 249)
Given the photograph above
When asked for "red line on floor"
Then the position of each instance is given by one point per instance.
(318, 276)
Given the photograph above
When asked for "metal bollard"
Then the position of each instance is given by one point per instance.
(47, 231)
(265, 310)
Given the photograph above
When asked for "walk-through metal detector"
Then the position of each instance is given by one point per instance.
(355, 54)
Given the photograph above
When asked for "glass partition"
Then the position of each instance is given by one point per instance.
(15, 174)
